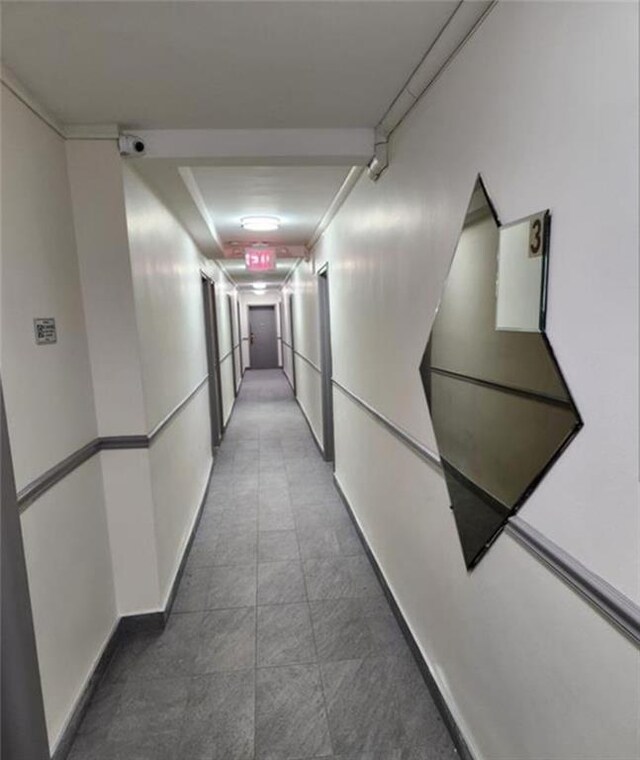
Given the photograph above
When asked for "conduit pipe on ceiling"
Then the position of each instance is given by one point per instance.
(460, 26)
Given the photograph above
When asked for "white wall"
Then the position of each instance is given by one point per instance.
(550, 118)
(95, 173)
(97, 190)
(166, 266)
(50, 410)
(165, 263)
(82, 230)
(224, 289)
(304, 288)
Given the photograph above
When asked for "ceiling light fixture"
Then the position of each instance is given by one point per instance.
(260, 223)
(259, 286)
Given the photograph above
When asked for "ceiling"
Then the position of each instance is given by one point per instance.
(297, 195)
(238, 64)
(239, 274)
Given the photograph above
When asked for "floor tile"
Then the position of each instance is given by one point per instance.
(225, 671)
(202, 552)
(277, 546)
(312, 494)
(237, 546)
(232, 586)
(320, 514)
(102, 709)
(280, 582)
(227, 640)
(285, 635)
(219, 719)
(340, 577)
(171, 652)
(275, 517)
(341, 630)
(149, 718)
(328, 540)
(362, 706)
(422, 724)
(290, 717)
(193, 592)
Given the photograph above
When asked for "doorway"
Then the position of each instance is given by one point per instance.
(263, 337)
(326, 363)
(213, 359)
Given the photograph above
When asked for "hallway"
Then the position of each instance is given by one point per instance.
(241, 240)
(281, 643)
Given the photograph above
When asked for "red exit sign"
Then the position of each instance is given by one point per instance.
(260, 259)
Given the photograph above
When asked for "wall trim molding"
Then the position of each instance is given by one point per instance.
(438, 697)
(418, 448)
(613, 605)
(304, 414)
(310, 426)
(123, 626)
(176, 409)
(226, 356)
(36, 488)
(313, 365)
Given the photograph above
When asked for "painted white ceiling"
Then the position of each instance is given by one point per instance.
(239, 274)
(238, 64)
(297, 195)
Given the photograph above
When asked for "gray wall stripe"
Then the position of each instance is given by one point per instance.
(55, 474)
(607, 600)
(48, 479)
(303, 357)
(163, 423)
(611, 603)
(418, 448)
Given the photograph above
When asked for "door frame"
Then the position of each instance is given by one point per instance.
(292, 344)
(271, 306)
(213, 358)
(24, 729)
(326, 363)
(233, 350)
(240, 337)
(280, 334)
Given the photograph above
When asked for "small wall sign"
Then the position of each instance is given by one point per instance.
(45, 329)
(536, 236)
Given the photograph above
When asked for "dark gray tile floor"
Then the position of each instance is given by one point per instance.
(281, 644)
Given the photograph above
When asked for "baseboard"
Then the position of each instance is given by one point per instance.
(126, 625)
(68, 734)
(456, 734)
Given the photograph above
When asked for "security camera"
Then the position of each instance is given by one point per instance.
(130, 145)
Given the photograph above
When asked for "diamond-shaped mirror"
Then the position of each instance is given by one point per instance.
(501, 411)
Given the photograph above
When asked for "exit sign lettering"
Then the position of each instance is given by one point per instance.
(260, 259)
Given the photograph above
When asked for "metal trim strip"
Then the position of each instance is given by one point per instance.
(41, 484)
(617, 608)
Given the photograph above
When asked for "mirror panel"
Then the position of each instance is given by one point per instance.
(500, 408)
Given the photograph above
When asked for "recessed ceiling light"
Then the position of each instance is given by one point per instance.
(260, 223)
